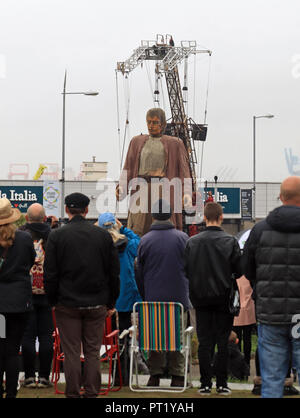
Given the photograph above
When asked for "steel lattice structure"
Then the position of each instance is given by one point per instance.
(168, 56)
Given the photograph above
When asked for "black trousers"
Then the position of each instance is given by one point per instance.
(40, 325)
(9, 352)
(213, 327)
(244, 334)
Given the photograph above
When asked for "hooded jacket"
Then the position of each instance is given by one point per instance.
(272, 264)
(38, 230)
(127, 249)
(161, 274)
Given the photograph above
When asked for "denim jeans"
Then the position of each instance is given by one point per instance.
(275, 347)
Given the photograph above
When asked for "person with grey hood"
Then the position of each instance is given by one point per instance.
(272, 264)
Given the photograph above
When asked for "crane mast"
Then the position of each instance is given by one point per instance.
(179, 126)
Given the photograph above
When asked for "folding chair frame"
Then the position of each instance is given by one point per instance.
(185, 350)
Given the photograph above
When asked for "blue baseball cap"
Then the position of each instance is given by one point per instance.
(106, 220)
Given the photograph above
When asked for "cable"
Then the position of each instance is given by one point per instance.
(194, 98)
(207, 90)
(118, 118)
(205, 114)
(194, 111)
(127, 104)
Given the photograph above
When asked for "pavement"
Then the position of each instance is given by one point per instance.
(143, 379)
(195, 376)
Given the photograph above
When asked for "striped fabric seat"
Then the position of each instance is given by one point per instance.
(159, 326)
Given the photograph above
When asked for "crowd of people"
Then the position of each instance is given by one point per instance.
(82, 273)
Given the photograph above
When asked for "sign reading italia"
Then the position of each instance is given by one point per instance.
(229, 199)
(21, 197)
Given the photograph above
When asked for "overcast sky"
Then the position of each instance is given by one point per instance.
(255, 70)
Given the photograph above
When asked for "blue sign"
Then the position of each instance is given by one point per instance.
(21, 197)
(229, 199)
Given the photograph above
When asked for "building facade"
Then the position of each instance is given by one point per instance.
(93, 170)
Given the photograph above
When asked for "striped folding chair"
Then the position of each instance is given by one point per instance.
(158, 326)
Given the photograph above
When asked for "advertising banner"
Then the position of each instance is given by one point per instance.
(51, 197)
(21, 197)
(229, 199)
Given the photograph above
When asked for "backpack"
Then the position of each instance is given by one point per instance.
(37, 270)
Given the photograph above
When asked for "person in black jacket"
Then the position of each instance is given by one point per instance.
(211, 258)
(272, 264)
(81, 277)
(16, 259)
(40, 324)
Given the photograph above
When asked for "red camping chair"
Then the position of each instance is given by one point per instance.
(109, 353)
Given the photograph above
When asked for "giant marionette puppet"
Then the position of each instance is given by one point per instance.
(156, 166)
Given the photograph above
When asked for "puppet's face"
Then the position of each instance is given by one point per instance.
(154, 126)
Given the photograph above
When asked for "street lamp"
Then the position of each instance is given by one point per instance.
(216, 189)
(64, 93)
(268, 116)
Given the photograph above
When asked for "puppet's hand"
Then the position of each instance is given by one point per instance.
(119, 192)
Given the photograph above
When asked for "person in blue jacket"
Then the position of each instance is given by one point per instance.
(127, 243)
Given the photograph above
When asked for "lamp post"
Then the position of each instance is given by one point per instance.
(269, 116)
(216, 189)
(63, 164)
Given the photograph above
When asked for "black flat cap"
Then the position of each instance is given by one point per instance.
(77, 201)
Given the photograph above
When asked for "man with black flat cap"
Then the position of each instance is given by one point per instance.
(82, 282)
